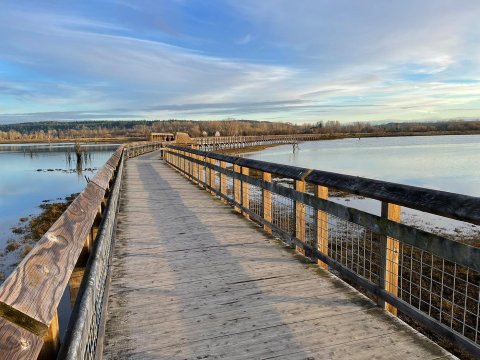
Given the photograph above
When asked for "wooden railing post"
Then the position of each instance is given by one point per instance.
(199, 167)
(183, 163)
(237, 187)
(194, 168)
(321, 225)
(245, 192)
(223, 181)
(389, 248)
(213, 176)
(207, 174)
(51, 341)
(267, 203)
(74, 283)
(201, 175)
(300, 216)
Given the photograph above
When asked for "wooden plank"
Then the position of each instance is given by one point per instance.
(103, 176)
(245, 192)
(18, 343)
(455, 206)
(450, 250)
(237, 187)
(391, 249)
(213, 176)
(300, 216)
(74, 283)
(267, 202)
(30, 295)
(321, 225)
(113, 161)
(51, 341)
(206, 282)
(223, 180)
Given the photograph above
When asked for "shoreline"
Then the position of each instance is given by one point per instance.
(28, 231)
(74, 140)
(326, 136)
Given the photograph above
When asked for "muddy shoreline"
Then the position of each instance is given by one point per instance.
(28, 231)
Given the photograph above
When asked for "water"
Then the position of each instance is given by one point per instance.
(23, 187)
(448, 163)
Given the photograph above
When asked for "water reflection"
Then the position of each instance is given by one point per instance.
(34, 173)
(448, 163)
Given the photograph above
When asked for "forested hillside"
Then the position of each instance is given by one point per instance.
(52, 130)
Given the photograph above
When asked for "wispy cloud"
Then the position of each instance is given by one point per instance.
(314, 60)
(244, 40)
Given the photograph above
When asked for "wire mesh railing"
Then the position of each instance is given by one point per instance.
(428, 278)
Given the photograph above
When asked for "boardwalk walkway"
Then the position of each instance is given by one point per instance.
(193, 280)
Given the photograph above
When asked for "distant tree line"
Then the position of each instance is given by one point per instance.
(53, 130)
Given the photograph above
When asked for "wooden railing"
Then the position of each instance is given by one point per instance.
(74, 253)
(227, 142)
(421, 276)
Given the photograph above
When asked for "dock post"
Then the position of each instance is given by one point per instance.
(51, 340)
(300, 216)
(207, 174)
(245, 192)
(223, 181)
(74, 283)
(267, 202)
(213, 176)
(389, 255)
(237, 187)
(321, 225)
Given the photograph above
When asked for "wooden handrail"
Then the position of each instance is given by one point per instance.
(455, 206)
(30, 296)
(387, 246)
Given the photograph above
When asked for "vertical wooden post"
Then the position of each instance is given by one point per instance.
(389, 256)
(51, 341)
(300, 216)
(213, 176)
(207, 174)
(199, 167)
(74, 283)
(190, 166)
(321, 225)
(202, 171)
(184, 163)
(245, 194)
(223, 181)
(237, 187)
(194, 169)
(267, 203)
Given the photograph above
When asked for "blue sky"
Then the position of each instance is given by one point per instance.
(280, 60)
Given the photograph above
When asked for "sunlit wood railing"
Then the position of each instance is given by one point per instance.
(73, 254)
(419, 275)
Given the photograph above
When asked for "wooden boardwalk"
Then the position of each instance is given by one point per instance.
(193, 280)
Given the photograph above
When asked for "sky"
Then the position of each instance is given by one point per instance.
(300, 61)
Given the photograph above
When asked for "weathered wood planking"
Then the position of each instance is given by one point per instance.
(454, 251)
(191, 279)
(455, 206)
(103, 176)
(18, 343)
(113, 161)
(30, 295)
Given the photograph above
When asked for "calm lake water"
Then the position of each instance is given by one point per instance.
(449, 163)
(32, 173)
